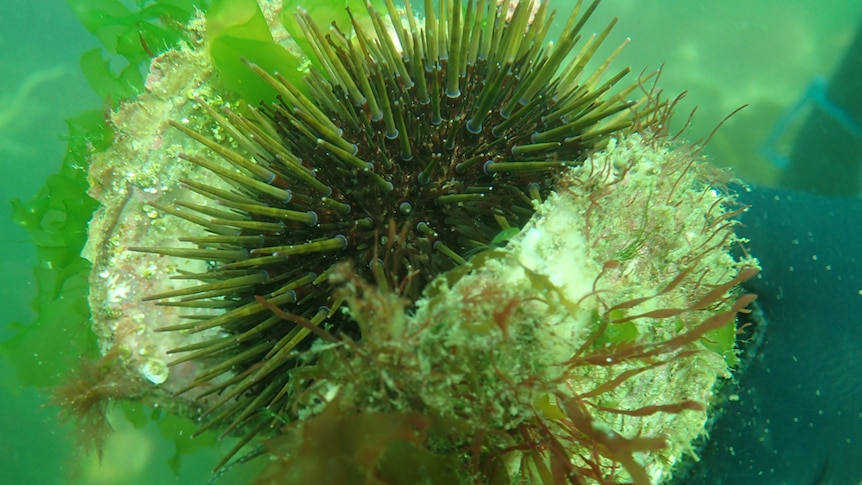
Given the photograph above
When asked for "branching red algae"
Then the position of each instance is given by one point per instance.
(87, 394)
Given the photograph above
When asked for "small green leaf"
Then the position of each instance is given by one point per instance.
(504, 236)
(618, 333)
(722, 341)
(105, 82)
(227, 54)
(238, 31)
(104, 18)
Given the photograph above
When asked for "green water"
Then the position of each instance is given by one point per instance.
(33, 448)
(725, 53)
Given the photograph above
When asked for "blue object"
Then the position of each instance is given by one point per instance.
(814, 94)
(797, 414)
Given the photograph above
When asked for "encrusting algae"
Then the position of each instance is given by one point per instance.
(547, 303)
(568, 353)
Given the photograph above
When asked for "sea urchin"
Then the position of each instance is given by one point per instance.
(412, 145)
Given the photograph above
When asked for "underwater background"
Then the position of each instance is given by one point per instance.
(725, 53)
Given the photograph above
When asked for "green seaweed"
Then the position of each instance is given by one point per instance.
(504, 236)
(238, 32)
(617, 334)
(323, 13)
(56, 220)
(180, 443)
(97, 70)
(134, 35)
(722, 341)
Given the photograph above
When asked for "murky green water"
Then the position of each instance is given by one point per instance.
(725, 53)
